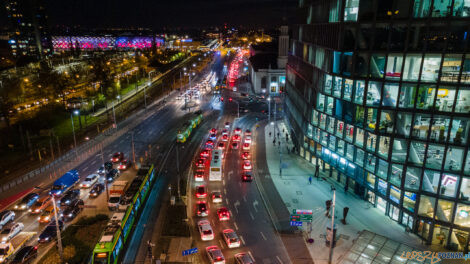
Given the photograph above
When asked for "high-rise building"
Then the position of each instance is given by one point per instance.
(28, 26)
(378, 96)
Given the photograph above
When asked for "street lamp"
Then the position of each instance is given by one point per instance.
(75, 112)
(114, 113)
(269, 109)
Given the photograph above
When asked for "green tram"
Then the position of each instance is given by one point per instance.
(185, 131)
(119, 229)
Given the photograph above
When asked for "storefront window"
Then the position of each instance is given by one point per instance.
(431, 66)
(330, 124)
(371, 141)
(467, 164)
(359, 118)
(384, 144)
(377, 65)
(316, 134)
(459, 131)
(445, 99)
(349, 133)
(382, 186)
(314, 117)
(373, 93)
(449, 184)
(328, 83)
(462, 105)
(337, 86)
(451, 68)
(340, 129)
(407, 96)
(348, 88)
(371, 180)
(421, 126)
(412, 179)
(444, 211)
(440, 128)
(403, 126)
(431, 180)
(400, 147)
(359, 157)
(435, 156)
(426, 206)
(371, 161)
(382, 169)
(351, 10)
(350, 152)
(426, 94)
(454, 159)
(412, 66)
(359, 137)
(462, 215)
(323, 121)
(396, 174)
(465, 189)
(421, 8)
(340, 148)
(332, 144)
(390, 94)
(386, 121)
(359, 92)
(394, 64)
(329, 105)
(409, 200)
(309, 131)
(371, 118)
(461, 8)
(321, 102)
(395, 194)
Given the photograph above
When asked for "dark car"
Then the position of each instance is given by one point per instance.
(27, 201)
(50, 232)
(96, 190)
(25, 255)
(107, 166)
(117, 157)
(112, 175)
(247, 176)
(70, 197)
(72, 210)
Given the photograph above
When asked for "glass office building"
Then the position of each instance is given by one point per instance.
(378, 95)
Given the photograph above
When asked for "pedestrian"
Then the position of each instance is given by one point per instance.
(310, 180)
(332, 188)
(277, 134)
(317, 171)
(279, 143)
(283, 130)
(269, 134)
(274, 142)
(345, 213)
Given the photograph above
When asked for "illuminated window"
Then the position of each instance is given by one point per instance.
(351, 10)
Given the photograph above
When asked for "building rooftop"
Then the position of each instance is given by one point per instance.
(264, 61)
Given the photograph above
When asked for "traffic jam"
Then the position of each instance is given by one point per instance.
(213, 220)
(33, 220)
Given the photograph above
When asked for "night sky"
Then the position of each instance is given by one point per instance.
(170, 13)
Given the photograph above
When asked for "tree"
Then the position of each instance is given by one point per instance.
(10, 90)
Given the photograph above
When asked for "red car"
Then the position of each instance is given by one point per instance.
(117, 157)
(210, 143)
(236, 138)
(247, 132)
(247, 165)
(238, 131)
(225, 138)
(124, 165)
(223, 214)
(201, 191)
(200, 163)
(213, 131)
(246, 146)
(246, 155)
(205, 154)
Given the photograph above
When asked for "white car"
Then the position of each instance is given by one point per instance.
(90, 180)
(248, 139)
(5, 217)
(205, 230)
(216, 197)
(215, 255)
(231, 238)
(10, 231)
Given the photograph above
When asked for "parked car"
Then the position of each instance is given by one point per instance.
(25, 255)
(69, 197)
(96, 190)
(10, 230)
(6, 217)
(27, 201)
(72, 210)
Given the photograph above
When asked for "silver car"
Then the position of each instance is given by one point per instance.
(10, 231)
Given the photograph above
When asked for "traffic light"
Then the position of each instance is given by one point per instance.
(230, 99)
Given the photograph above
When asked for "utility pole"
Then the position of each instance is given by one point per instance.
(332, 239)
(73, 131)
(105, 172)
(178, 169)
(114, 117)
(269, 109)
(59, 238)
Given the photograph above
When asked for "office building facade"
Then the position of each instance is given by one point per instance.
(378, 95)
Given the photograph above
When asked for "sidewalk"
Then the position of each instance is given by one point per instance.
(296, 192)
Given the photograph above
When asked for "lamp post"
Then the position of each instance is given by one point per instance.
(269, 109)
(114, 113)
(332, 239)
(74, 112)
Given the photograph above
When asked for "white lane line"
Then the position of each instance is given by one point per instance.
(236, 204)
(251, 255)
(230, 212)
(223, 182)
(221, 244)
(225, 191)
(279, 259)
(252, 217)
(244, 198)
(86, 168)
(235, 224)
(93, 162)
(255, 203)
(243, 240)
(226, 200)
(264, 237)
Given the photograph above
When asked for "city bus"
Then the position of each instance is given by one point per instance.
(110, 246)
(215, 170)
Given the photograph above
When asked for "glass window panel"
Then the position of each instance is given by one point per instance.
(426, 94)
(386, 121)
(310, 131)
(461, 8)
(390, 94)
(412, 67)
(321, 102)
(396, 174)
(441, 8)
(435, 156)
(467, 164)
(444, 210)
(359, 118)
(359, 157)
(329, 105)
(337, 86)
(395, 194)
(459, 131)
(330, 125)
(340, 148)
(462, 104)
(328, 83)
(416, 155)
(431, 66)
(324, 138)
(445, 98)
(382, 169)
(451, 68)
(349, 133)
(465, 78)
(371, 180)
(350, 152)
(382, 186)
(314, 117)
(440, 128)
(373, 93)
(339, 128)
(431, 180)
(462, 215)
(421, 126)
(449, 184)
(359, 92)
(409, 200)
(359, 137)
(403, 126)
(316, 134)
(384, 145)
(348, 87)
(371, 141)
(426, 206)
(407, 96)
(421, 8)
(351, 10)
(362, 61)
(377, 65)
(371, 161)
(394, 64)
(332, 144)
(412, 179)
(371, 118)
(400, 147)
(465, 189)
(323, 121)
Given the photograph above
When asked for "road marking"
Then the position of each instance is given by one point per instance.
(235, 224)
(251, 255)
(223, 182)
(230, 211)
(226, 200)
(228, 174)
(279, 259)
(264, 237)
(236, 204)
(86, 168)
(221, 244)
(243, 240)
(252, 217)
(244, 198)
(93, 162)
(255, 203)
(225, 191)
